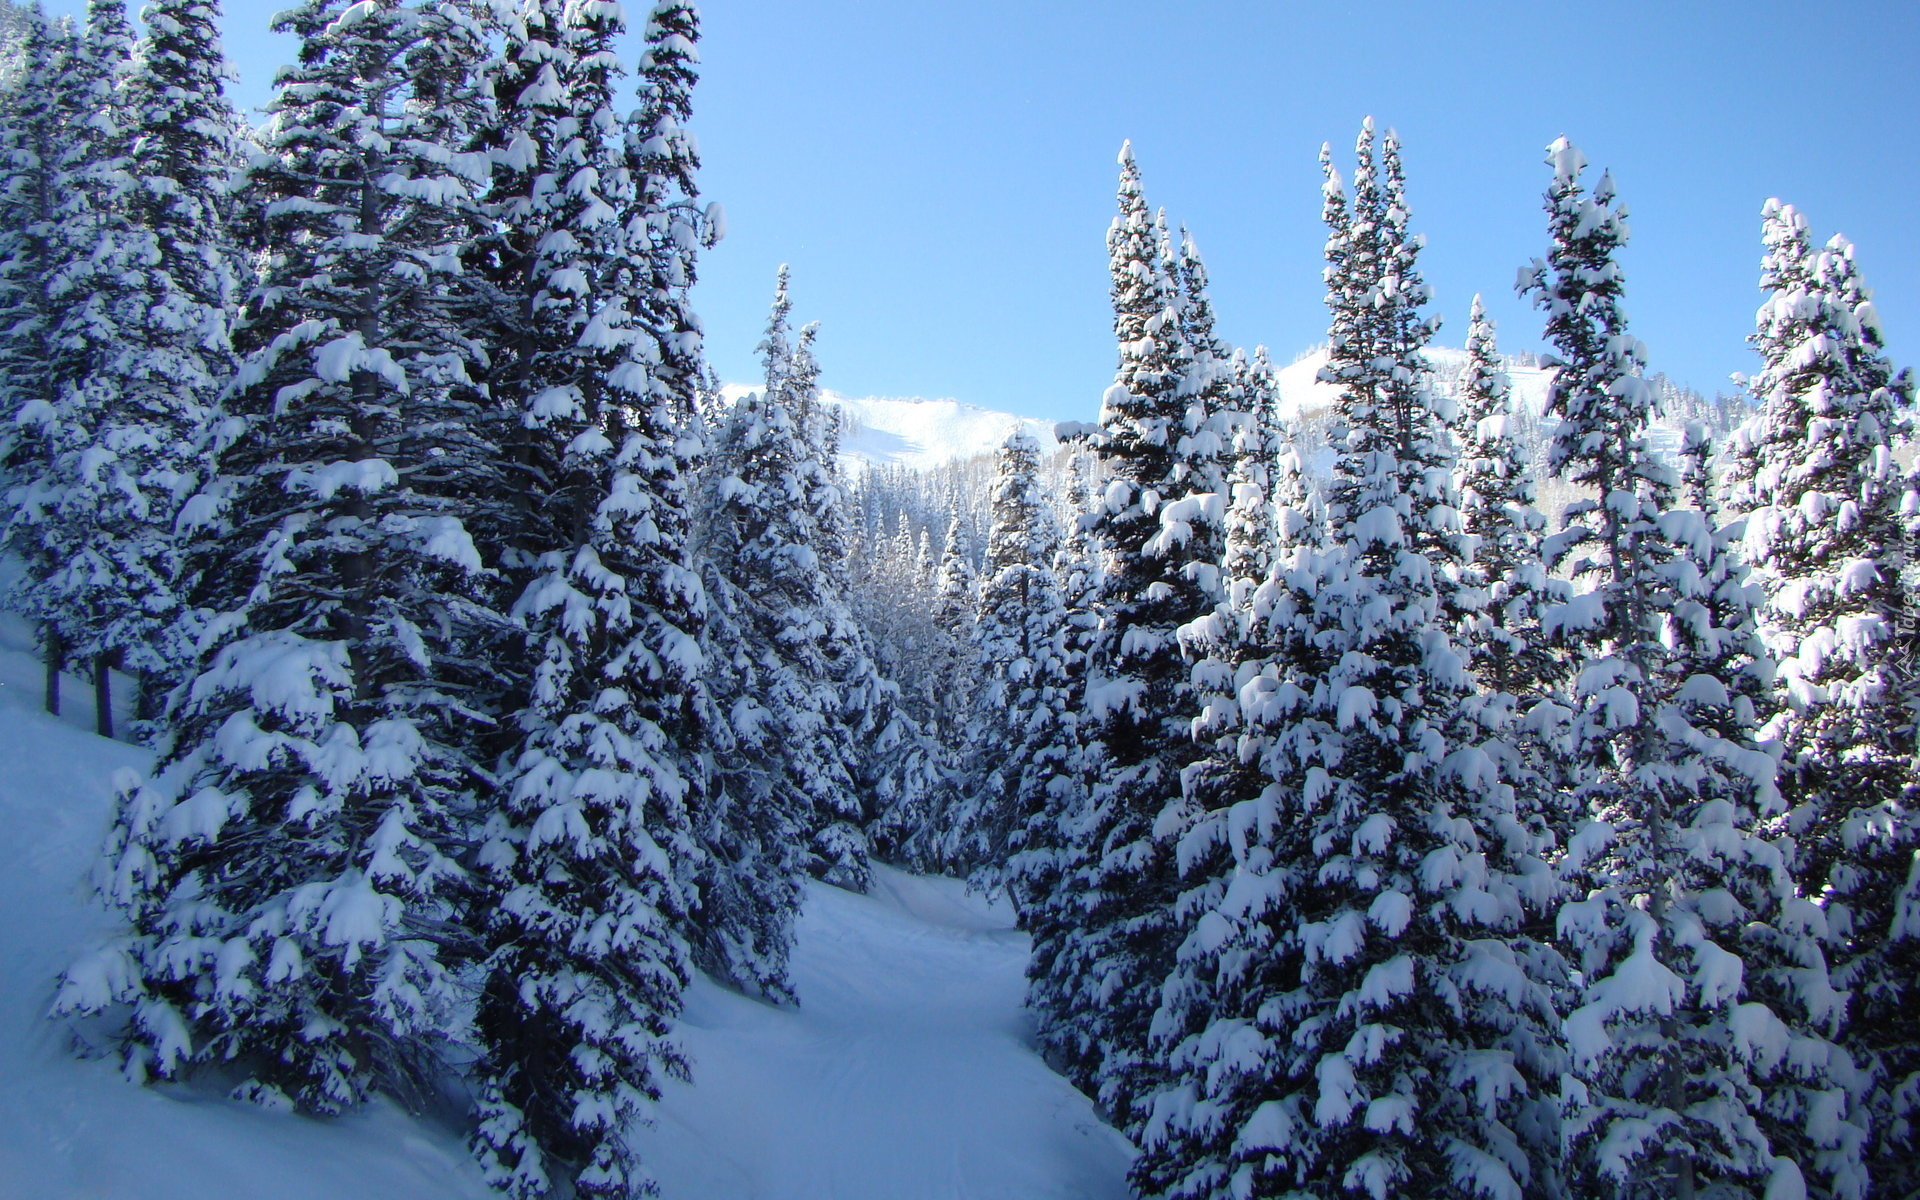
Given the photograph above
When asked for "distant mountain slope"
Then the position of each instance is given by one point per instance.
(916, 433)
(919, 434)
(1302, 392)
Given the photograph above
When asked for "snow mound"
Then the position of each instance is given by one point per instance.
(917, 433)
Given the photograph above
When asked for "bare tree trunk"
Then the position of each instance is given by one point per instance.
(56, 652)
(103, 693)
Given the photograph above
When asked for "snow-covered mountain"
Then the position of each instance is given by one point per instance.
(1302, 392)
(918, 433)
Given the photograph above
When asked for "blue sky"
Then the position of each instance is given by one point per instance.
(941, 175)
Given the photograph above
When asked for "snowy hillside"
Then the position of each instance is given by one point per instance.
(916, 433)
(904, 1075)
(1302, 392)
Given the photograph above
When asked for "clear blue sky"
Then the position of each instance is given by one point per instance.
(941, 175)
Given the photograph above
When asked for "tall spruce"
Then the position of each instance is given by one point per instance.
(1701, 1059)
(774, 561)
(1049, 847)
(152, 347)
(1138, 690)
(286, 868)
(38, 116)
(592, 863)
(1821, 493)
(1357, 1008)
(1018, 639)
(74, 507)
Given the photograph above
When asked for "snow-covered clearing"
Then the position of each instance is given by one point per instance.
(904, 1075)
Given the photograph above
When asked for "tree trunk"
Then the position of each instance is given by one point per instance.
(56, 652)
(103, 693)
(146, 705)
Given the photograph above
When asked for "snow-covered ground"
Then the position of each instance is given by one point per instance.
(905, 1075)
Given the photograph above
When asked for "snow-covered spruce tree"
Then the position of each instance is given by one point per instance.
(954, 585)
(1378, 335)
(755, 824)
(37, 116)
(285, 870)
(591, 863)
(1702, 986)
(766, 562)
(1809, 1116)
(146, 332)
(1357, 1008)
(1215, 387)
(1047, 847)
(1503, 580)
(1138, 693)
(747, 886)
(83, 592)
(1821, 495)
(881, 754)
(1017, 639)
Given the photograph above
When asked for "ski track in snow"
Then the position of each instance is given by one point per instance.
(904, 1075)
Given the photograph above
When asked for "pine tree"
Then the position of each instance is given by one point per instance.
(1378, 334)
(1821, 495)
(1016, 647)
(953, 616)
(1503, 580)
(147, 333)
(1049, 847)
(1702, 985)
(1356, 1008)
(595, 858)
(286, 870)
(38, 116)
(775, 559)
(1138, 692)
(73, 507)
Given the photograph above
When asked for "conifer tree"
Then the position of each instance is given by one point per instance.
(1816, 481)
(595, 858)
(31, 254)
(1138, 692)
(1049, 847)
(150, 300)
(75, 506)
(1702, 985)
(286, 869)
(1017, 640)
(953, 616)
(1503, 580)
(1378, 334)
(1356, 1009)
(770, 561)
